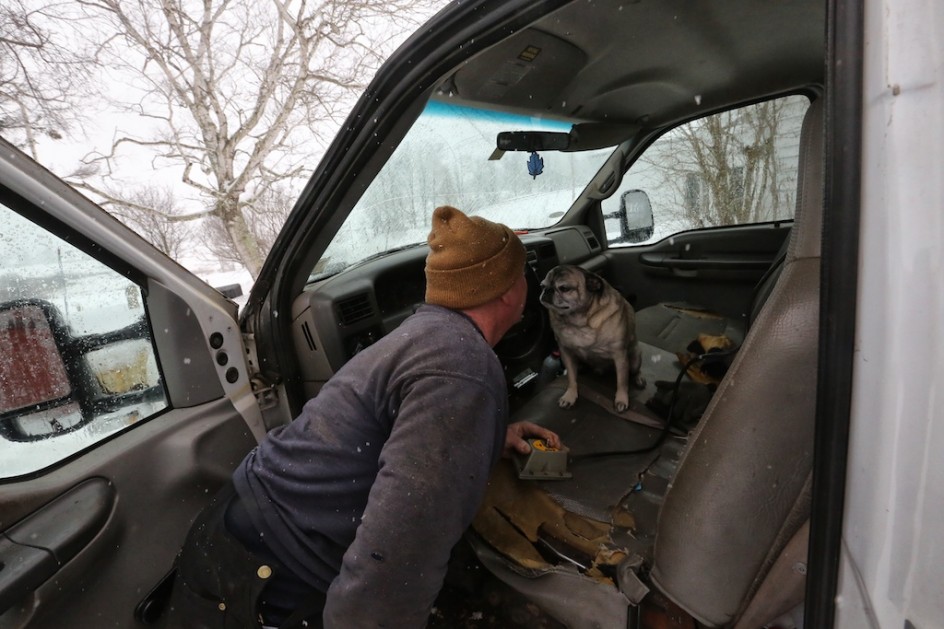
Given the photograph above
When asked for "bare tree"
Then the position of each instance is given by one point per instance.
(735, 158)
(264, 220)
(42, 73)
(153, 212)
(726, 169)
(239, 91)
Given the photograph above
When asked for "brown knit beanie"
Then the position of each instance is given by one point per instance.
(471, 260)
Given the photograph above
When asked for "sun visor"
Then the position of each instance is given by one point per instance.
(528, 70)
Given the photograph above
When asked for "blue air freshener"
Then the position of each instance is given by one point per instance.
(535, 165)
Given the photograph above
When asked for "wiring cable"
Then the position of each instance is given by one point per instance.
(706, 357)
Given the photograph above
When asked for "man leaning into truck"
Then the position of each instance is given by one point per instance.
(347, 516)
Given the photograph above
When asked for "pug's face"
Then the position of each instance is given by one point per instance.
(569, 289)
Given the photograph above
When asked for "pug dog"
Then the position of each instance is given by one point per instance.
(594, 325)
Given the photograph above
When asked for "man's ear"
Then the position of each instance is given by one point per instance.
(506, 297)
(593, 281)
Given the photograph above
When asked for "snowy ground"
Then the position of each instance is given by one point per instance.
(218, 276)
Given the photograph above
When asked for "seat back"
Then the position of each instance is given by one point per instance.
(766, 284)
(742, 488)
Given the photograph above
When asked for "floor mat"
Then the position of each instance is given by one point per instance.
(620, 467)
(592, 428)
(589, 431)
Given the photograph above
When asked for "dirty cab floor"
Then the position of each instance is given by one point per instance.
(604, 516)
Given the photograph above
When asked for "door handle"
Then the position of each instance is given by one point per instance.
(34, 549)
(22, 570)
(713, 262)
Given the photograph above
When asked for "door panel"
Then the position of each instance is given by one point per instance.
(48, 538)
(159, 475)
(107, 450)
(716, 268)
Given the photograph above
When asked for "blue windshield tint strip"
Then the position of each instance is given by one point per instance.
(513, 121)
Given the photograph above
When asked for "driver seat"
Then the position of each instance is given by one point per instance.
(741, 494)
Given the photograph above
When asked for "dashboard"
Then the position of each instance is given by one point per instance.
(335, 318)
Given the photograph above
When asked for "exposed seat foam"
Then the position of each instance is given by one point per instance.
(673, 326)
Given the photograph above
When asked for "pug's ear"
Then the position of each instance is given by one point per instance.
(593, 281)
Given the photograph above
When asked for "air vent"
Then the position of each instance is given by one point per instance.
(592, 241)
(354, 309)
(547, 250)
(532, 257)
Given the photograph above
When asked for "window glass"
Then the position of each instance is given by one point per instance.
(449, 157)
(732, 168)
(76, 359)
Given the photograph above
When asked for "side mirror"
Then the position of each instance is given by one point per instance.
(52, 382)
(635, 217)
(230, 291)
(32, 372)
(35, 385)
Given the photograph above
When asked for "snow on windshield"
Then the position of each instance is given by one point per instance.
(448, 158)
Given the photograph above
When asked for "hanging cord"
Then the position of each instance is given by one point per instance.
(716, 355)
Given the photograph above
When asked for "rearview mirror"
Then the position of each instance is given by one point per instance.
(533, 141)
(586, 136)
(230, 291)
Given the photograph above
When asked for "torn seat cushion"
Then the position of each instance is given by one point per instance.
(673, 326)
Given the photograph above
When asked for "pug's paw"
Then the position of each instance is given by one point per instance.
(639, 382)
(567, 400)
(621, 403)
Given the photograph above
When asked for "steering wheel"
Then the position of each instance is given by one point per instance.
(527, 338)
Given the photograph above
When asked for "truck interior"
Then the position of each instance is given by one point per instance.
(695, 506)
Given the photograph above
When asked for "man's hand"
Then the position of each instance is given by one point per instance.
(516, 438)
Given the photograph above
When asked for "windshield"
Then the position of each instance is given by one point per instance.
(449, 158)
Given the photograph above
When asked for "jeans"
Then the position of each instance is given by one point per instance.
(219, 582)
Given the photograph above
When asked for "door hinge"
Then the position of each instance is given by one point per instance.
(266, 393)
